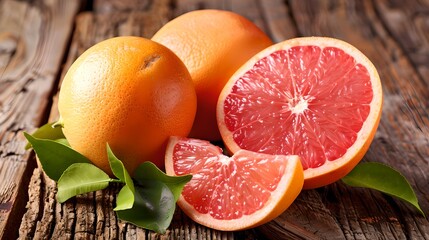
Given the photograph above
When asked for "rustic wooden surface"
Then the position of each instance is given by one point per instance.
(36, 35)
(33, 41)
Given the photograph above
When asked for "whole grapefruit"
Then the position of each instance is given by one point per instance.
(128, 92)
(213, 44)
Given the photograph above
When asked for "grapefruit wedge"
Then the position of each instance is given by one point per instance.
(315, 97)
(232, 193)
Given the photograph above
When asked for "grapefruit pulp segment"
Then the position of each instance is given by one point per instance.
(233, 193)
(319, 98)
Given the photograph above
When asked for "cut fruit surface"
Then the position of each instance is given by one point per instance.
(319, 98)
(233, 193)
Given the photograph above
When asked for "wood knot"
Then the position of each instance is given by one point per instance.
(8, 43)
(12, 50)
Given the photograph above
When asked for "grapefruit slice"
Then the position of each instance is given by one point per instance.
(232, 193)
(315, 97)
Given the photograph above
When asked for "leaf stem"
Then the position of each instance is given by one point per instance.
(58, 123)
(116, 180)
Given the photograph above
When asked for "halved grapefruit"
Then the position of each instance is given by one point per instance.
(232, 193)
(315, 97)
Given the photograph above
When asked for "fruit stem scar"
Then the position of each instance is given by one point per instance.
(150, 61)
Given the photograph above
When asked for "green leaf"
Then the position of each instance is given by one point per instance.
(119, 169)
(81, 178)
(125, 199)
(63, 141)
(47, 131)
(383, 178)
(155, 197)
(55, 157)
(153, 207)
(149, 171)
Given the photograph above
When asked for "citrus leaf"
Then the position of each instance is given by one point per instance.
(119, 169)
(125, 198)
(62, 141)
(149, 171)
(153, 207)
(81, 178)
(47, 131)
(383, 178)
(55, 157)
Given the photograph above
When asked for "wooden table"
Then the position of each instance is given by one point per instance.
(39, 40)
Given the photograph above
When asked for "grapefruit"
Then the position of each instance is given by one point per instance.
(131, 93)
(232, 193)
(213, 44)
(319, 98)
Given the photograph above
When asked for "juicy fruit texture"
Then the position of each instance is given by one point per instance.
(213, 44)
(233, 193)
(319, 98)
(131, 93)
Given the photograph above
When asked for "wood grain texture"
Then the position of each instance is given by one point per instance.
(279, 22)
(391, 33)
(33, 41)
(408, 23)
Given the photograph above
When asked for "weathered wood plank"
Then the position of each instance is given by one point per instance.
(278, 21)
(401, 141)
(408, 22)
(249, 8)
(33, 38)
(114, 6)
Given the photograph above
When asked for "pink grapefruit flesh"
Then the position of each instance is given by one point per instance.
(233, 193)
(319, 98)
